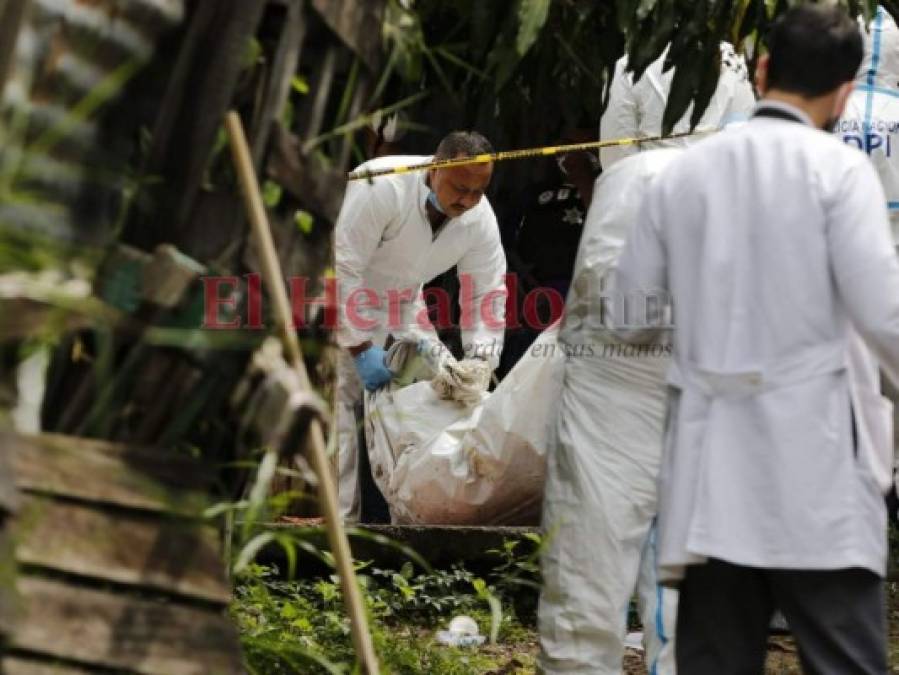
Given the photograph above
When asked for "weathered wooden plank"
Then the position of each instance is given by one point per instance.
(23, 666)
(277, 89)
(26, 318)
(8, 602)
(358, 23)
(9, 499)
(207, 71)
(109, 473)
(174, 556)
(101, 628)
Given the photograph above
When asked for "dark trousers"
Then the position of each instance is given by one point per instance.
(837, 617)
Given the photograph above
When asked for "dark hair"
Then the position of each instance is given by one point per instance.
(813, 49)
(463, 143)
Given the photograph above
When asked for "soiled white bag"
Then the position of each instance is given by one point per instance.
(440, 462)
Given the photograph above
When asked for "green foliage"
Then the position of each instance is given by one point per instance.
(299, 626)
(304, 221)
(532, 15)
(271, 194)
(510, 65)
(300, 85)
(694, 30)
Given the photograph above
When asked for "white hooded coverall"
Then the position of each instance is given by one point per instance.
(601, 496)
(635, 109)
(870, 123)
(871, 119)
(385, 250)
(590, 566)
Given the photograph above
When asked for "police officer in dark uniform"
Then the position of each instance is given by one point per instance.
(542, 243)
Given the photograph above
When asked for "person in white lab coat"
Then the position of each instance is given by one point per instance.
(393, 234)
(773, 241)
(600, 498)
(635, 109)
(871, 119)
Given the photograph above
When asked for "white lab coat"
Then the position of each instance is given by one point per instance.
(635, 109)
(773, 241)
(600, 499)
(871, 119)
(384, 243)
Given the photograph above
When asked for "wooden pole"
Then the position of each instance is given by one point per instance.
(274, 279)
(12, 17)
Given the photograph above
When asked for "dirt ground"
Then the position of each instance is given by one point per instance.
(783, 658)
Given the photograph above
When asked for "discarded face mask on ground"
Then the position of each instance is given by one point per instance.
(445, 451)
(463, 632)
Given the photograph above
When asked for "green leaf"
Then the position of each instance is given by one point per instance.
(532, 15)
(300, 85)
(534, 537)
(651, 40)
(304, 221)
(251, 550)
(271, 194)
(496, 608)
(708, 83)
(252, 53)
(288, 545)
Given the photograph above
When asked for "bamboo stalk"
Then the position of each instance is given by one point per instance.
(274, 278)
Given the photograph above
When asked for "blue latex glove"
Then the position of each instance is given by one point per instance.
(372, 371)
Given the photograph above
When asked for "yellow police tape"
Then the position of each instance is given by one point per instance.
(516, 154)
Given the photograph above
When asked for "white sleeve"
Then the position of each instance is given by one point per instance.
(416, 325)
(483, 266)
(621, 118)
(864, 262)
(366, 211)
(642, 274)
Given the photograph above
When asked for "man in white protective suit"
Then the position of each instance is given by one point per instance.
(600, 499)
(601, 547)
(871, 119)
(773, 241)
(635, 109)
(393, 234)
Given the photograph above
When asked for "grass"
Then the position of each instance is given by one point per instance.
(299, 626)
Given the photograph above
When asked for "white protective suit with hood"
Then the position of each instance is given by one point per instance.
(870, 123)
(600, 501)
(385, 251)
(635, 109)
(871, 119)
